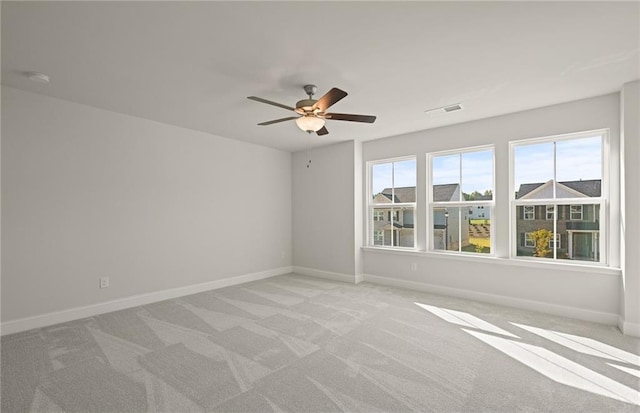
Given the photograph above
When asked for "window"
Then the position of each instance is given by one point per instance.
(575, 213)
(378, 237)
(529, 241)
(392, 202)
(563, 178)
(461, 200)
(551, 212)
(555, 242)
(529, 212)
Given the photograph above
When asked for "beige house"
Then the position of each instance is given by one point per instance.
(395, 225)
(447, 232)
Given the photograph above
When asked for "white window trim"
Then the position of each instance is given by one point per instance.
(603, 200)
(430, 204)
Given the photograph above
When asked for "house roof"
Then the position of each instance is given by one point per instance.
(402, 194)
(444, 192)
(441, 193)
(589, 187)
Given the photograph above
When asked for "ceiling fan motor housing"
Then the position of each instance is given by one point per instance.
(305, 106)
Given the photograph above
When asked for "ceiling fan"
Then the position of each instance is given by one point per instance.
(313, 113)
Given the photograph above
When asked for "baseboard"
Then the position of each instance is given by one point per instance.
(28, 323)
(628, 328)
(335, 276)
(554, 309)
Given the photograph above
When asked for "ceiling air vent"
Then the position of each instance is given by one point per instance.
(443, 110)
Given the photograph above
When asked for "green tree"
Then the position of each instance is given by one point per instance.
(541, 238)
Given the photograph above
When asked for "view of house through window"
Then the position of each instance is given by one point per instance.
(461, 201)
(392, 203)
(559, 201)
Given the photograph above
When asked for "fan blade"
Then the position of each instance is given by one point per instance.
(322, 131)
(271, 122)
(269, 102)
(351, 118)
(330, 98)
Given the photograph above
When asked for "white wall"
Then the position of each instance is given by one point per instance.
(572, 291)
(630, 221)
(324, 211)
(89, 193)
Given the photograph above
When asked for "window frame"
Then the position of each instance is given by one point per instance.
(603, 200)
(529, 241)
(553, 212)
(431, 205)
(555, 241)
(381, 235)
(525, 213)
(371, 207)
(571, 212)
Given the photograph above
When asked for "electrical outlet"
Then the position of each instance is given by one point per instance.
(414, 266)
(104, 282)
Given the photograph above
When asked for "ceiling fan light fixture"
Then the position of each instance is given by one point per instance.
(310, 123)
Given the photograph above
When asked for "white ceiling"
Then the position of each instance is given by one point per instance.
(193, 64)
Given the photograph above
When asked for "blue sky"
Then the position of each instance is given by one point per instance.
(404, 174)
(477, 170)
(575, 159)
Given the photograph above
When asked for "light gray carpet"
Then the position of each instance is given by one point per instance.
(298, 344)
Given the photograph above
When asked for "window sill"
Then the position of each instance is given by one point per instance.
(562, 266)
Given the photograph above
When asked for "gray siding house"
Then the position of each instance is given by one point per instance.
(578, 227)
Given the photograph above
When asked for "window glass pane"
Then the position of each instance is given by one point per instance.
(579, 167)
(579, 230)
(533, 166)
(533, 235)
(381, 226)
(479, 230)
(477, 175)
(446, 178)
(404, 220)
(404, 181)
(381, 181)
(576, 238)
(446, 226)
